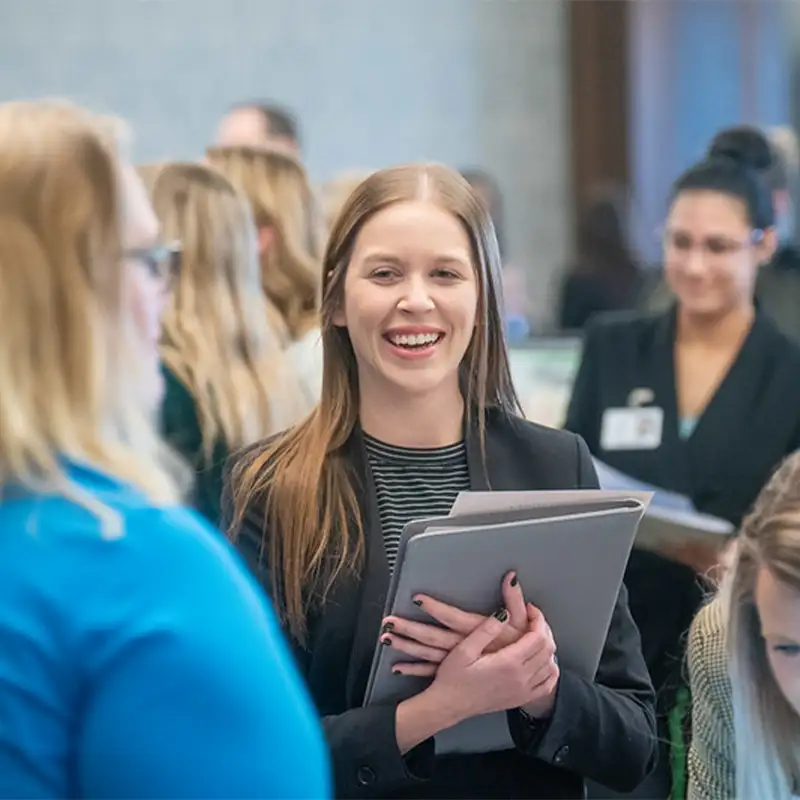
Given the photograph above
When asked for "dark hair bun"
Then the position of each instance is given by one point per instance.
(745, 145)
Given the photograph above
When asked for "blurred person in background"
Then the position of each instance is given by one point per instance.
(777, 286)
(290, 234)
(228, 381)
(256, 123)
(606, 276)
(697, 400)
(335, 192)
(515, 280)
(139, 658)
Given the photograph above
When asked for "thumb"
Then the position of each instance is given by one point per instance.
(472, 647)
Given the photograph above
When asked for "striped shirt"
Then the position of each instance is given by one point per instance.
(414, 483)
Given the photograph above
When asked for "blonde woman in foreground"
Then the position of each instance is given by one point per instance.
(228, 382)
(744, 659)
(138, 659)
(290, 234)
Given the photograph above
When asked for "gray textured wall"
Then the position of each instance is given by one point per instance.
(374, 82)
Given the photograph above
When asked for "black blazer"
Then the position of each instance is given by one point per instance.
(750, 424)
(603, 730)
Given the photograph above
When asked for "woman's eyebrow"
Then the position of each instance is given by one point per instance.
(382, 258)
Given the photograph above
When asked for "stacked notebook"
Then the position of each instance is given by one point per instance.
(569, 550)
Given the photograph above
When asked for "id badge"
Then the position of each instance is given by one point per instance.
(632, 428)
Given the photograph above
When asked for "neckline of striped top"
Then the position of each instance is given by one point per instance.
(394, 452)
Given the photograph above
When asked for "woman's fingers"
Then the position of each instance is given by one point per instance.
(474, 645)
(430, 635)
(420, 669)
(463, 622)
(414, 649)
(514, 601)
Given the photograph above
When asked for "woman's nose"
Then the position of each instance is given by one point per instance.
(417, 297)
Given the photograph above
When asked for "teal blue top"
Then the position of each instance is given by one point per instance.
(144, 666)
(686, 426)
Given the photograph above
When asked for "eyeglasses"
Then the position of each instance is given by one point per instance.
(162, 261)
(713, 246)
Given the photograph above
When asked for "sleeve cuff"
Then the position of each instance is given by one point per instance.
(545, 739)
(367, 760)
(526, 731)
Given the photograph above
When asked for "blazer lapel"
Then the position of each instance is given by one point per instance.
(659, 365)
(716, 430)
(476, 460)
(375, 580)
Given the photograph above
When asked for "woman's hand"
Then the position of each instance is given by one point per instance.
(432, 643)
(471, 681)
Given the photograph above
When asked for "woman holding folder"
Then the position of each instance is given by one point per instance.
(418, 405)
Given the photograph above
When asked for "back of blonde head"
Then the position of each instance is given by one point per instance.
(217, 339)
(281, 198)
(69, 351)
(767, 727)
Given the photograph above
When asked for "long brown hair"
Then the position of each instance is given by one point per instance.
(302, 477)
(281, 197)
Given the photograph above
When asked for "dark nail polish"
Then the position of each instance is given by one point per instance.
(501, 615)
(386, 641)
(388, 627)
(514, 581)
(396, 672)
(417, 602)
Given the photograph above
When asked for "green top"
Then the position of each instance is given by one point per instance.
(181, 428)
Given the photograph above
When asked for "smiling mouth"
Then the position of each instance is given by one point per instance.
(414, 341)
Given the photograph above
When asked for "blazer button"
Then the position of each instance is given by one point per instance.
(365, 776)
(561, 754)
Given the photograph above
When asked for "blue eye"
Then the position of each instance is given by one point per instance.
(787, 649)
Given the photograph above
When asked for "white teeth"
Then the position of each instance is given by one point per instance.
(415, 340)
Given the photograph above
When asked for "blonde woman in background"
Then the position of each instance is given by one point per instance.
(228, 383)
(335, 193)
(290, 239)
(744, 659)
(138, 658)
(148, 174)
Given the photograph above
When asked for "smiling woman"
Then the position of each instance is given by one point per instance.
(417, 405)
(410, 306)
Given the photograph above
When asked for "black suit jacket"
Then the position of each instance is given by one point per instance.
(602, 730)
(749, 426)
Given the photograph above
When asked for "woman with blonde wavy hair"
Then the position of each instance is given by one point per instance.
(290, 237)
(418, 405)
(744, 658)
(228, 380)
(138, 657)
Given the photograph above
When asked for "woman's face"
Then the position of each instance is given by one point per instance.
(410, 300)
(779, 611)
(144, 283)
(711, 254)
